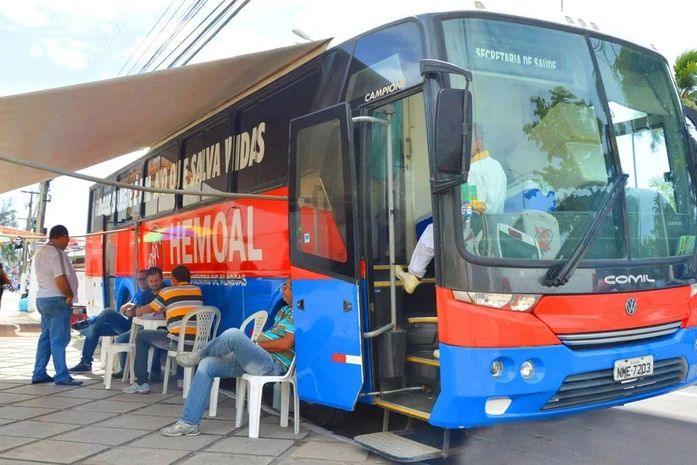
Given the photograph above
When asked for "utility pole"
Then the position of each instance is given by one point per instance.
(41, 209)
(30, 214)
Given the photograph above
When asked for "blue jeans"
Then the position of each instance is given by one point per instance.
(227, 356)
(55, 337)
(146, 338)
(108, 323)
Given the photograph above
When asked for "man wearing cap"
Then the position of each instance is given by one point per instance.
(57, 286)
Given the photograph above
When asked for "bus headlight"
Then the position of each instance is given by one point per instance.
(527, 369)
(513, 302)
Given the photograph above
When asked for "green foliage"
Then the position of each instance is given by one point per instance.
(561, 170)
(8, 255)
(665, 188)
(685, 69)
(8, 214)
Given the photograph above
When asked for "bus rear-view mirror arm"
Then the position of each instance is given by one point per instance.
(452, 126)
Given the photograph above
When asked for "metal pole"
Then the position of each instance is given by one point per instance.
(123, 185)
(390, 224)
(390, 207)
(41, 209)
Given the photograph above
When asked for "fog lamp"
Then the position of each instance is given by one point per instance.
(496, 368)
(527, 369)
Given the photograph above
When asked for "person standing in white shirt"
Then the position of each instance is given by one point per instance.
(57, 286)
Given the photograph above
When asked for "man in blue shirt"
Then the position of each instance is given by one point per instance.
(231, 355)
(112, 323)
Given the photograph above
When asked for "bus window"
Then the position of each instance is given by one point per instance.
(192, 147)
(647, 126)
(161, 172)
(205, 162)
(385, 62)
(260, 156)
(322, 193)
(128, 200)
(101, 207)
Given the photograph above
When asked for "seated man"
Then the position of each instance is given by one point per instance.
(490, 180)
(174, 301)
(231, 355)
(112, 323)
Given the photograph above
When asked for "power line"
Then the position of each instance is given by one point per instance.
(245, 2)
(191, 12)
(225, 9)
(153, 39)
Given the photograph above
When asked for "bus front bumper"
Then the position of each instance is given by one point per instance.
(562, 381)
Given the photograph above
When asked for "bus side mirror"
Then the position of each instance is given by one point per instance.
(453, 132)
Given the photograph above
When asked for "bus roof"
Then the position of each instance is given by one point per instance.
(72, 128)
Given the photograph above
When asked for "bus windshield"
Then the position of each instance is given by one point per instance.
(556, 118)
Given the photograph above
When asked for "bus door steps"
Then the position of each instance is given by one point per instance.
(398, 283)
(419, 442)
(424, 357)
(413, 404)
(399, 446)
(423, 320)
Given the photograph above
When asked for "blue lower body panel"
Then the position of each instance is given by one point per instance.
(467, 384)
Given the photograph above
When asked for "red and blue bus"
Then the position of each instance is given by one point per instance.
(578, 294)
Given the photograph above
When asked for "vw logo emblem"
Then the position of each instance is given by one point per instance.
(630, 307)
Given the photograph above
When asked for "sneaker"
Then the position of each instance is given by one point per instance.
(80, 325)
(181, 429)
(136, 388)
(189, 359)
(409, 280)
(81, 368)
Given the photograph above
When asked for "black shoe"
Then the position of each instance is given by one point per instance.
(45, 379)
(80, 325)
(117, 375)
(81, 368)
(69, 382)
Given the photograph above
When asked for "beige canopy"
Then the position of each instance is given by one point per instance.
(74, 127)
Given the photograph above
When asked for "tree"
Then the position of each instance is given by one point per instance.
(8, 214)
(685, 69)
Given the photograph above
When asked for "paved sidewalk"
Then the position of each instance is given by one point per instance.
(90, 425)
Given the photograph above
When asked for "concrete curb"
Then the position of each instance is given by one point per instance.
(8, 330)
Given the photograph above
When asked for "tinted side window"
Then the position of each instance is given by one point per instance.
(261, 146)
(98, 207)
(385, 62)
(161, 172)
(206, 157)
(128, 200)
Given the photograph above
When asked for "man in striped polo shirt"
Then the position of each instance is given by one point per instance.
(174, 301)
(231, 355)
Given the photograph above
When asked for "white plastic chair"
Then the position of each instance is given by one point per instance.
(105, 342)
(252, 387)
(259, 318)
(207, 321)
(109, 352)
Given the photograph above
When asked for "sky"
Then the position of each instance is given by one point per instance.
(53, 43)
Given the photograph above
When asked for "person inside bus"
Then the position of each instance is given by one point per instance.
(489, 178)
(233, 354)
(174, 301)
(112, 323)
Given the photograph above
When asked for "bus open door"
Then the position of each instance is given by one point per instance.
(324, 264)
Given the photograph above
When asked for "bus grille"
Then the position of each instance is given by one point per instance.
(614, 337)
(599, 386)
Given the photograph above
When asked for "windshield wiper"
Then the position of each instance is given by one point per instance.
(558, 275)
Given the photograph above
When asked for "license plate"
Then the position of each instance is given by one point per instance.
(631, 368)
